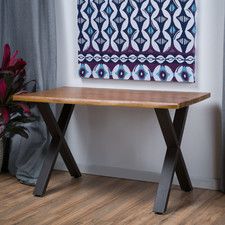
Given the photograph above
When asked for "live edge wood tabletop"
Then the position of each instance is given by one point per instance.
(114, 97)
(160, 101)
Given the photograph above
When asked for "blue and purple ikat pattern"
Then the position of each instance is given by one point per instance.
(151, 40)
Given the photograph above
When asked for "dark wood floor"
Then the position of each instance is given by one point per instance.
(94, 200)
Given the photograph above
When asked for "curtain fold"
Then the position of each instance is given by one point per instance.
(30, 27)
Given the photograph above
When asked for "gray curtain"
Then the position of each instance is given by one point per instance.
(29, 26)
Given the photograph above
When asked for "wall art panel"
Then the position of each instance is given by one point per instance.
(151, 40)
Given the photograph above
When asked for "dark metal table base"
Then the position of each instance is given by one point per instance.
(172, 132)
(58, 145)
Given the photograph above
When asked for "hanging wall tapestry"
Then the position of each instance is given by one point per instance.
(152, 40)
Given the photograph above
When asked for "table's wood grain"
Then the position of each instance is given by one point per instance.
(114, 97)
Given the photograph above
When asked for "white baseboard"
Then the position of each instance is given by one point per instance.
(212, 184)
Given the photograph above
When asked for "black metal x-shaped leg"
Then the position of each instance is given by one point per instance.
(173, 133)
(58, 145)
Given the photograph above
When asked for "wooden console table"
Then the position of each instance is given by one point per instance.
(160, 101)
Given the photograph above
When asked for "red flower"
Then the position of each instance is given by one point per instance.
(3, 89)
(6, 57)
(12, 80)
(13, 58)
(24, 106)
(13, 63)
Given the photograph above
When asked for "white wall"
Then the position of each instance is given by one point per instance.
(127, 142)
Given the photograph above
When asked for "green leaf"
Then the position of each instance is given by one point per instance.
(20, 131)
(24, 119)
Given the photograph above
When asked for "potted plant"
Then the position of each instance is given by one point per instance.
(13, 115)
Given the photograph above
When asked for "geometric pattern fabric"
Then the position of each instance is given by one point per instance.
(152, 40)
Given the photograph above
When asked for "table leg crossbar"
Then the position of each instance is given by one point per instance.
(173, 133)
(58, 145)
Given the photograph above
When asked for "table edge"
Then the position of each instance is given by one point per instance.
(113, 103)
